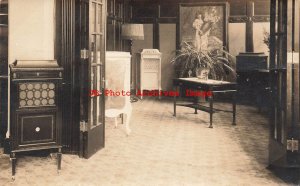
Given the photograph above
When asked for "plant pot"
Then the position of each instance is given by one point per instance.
(202, 73)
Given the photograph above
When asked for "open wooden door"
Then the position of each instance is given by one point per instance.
(92, 42)
(284, 69)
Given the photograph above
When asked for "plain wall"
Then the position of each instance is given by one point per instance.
(31, 33)
(237, 38)
(137, 46)
(167, 43)
(31, 30)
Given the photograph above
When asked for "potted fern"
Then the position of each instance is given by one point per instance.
(190, 62)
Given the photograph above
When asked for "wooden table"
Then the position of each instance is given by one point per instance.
(210, 87)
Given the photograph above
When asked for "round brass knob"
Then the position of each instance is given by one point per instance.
(37, 129)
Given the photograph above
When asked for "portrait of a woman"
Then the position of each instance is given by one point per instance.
(203, 23)
(203, 26)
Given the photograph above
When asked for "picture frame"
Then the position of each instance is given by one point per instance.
(209, 20)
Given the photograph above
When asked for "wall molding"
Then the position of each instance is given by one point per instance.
(237, 19)
(244, 19)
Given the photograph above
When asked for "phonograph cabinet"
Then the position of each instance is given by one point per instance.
(35, 112)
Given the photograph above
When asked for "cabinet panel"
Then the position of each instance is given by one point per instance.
(37, 128)
(148, 81)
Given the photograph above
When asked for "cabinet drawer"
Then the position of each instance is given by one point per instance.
(36, 128)
(35, 75)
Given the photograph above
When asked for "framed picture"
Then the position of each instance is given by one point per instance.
(203, 25)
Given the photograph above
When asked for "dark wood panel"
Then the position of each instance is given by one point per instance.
(3, 107)
(117, 10)
(3, 69)
(168, 10)
(262, 7)
(237, 7)
(66, 56)
(141, 10)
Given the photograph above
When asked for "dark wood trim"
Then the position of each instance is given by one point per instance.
(249, 27)
(66, 56)
(116, 16)
(159, 14)
(147, 20)
(167, 20)
(238, 19)
(58, 34)
(244, 18)
(156, 35)
(178, 30)
(4, 73)
(112, 17)
(225, 32)
(156, 29)
(272, 34)
(261, 18)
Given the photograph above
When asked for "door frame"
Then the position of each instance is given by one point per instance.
(284, 127)
(67, 53)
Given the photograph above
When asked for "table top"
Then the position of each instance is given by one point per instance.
(208, 81)
(200, 84)
(253, 71)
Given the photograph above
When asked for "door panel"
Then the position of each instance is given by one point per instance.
(92, 76)
(284, 71)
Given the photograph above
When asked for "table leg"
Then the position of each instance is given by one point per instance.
(234, 108)
(122, 118)
(159, 91)
(175, 89)
(13, 165)
(59, 160)
(196, 103)
(142, 91)
(210, 98)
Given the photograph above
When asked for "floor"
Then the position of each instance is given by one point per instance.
(163, 150)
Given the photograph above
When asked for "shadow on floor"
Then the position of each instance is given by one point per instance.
(251, 132)
(288, 175)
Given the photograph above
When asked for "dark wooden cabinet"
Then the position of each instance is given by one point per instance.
(254, 87)
(35, 111)
(251, 61)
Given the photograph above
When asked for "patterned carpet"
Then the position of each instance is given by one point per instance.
(163, 150)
